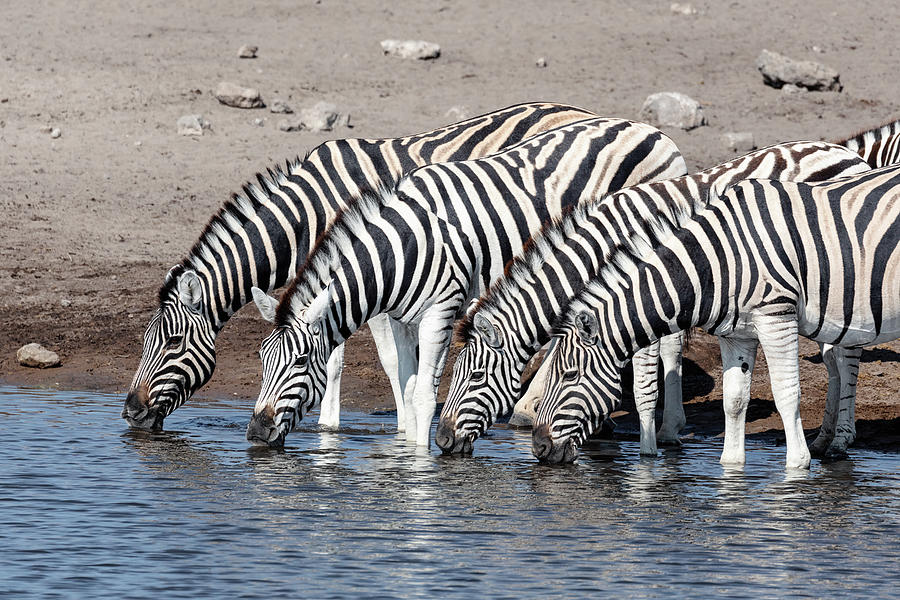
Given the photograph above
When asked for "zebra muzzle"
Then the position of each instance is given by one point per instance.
(138, 412)
(548, 451)
(262, 431)
(450, 443)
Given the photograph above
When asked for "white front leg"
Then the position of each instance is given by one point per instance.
(434, 342)
(646, 394)
(670, 352)
(738, 358)
(838, 425)
(397, 368)
(330, 409)
(780, 343)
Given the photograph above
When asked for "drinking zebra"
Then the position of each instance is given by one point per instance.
(879, 147)
(421, 251)
(261, 236)
(763, 263)
(512, 321)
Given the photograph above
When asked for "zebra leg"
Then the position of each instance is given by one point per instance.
(848, 366)
(670, 349)
(406, 341)
(389, 356)
(646, 393)
(738, 358)
(330, 409)
(434, 342)
(780, 343)
(832, 402)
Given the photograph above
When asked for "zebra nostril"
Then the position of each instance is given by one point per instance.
(261, 431)
(541, 443)
(444, 436)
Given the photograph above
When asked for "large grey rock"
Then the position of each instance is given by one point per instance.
(778, 70)
(321, 117)
(672, 109)
(232, 94)
(739, 141)
(35, 355)
(192, 125)
(418, 49)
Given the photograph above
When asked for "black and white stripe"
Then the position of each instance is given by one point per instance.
(260, 237)
(879, 147)
(765, 262)
(512, 321)
(428, 247)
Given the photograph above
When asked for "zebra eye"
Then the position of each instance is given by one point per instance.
(477, 375)
(174, 342)
(570, 375)
(300, 361)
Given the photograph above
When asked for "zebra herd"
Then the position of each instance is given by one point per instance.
(541, 224)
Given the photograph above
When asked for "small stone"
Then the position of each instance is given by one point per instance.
(672, 109)
(45, 129)
(682, 8)
(741, 141)
(457, 113)
(65, 302)
(138, 144)
(280, 107)
(790, 89)
(258, 122)
(35, 355)
(818, 50)
(416, 49)
(55, 133)
(232, 94)
(247, 51)
(778, 70)
(541, 63)
(192, 125)
(321, 117)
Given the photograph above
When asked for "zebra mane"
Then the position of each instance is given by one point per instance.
(623, 257)
(230, 219)
(866, 136)
(328, 249)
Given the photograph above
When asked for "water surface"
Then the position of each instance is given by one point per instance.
(89, 508)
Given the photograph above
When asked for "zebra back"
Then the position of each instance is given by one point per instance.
(879, 147)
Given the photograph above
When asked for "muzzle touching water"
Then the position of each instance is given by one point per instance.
(262, 431)
(447, 440)
(548, 451)
(139, 414)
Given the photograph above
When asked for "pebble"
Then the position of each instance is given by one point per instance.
(739, 141)
(232, 94)
(778, 70)
(672, 109)
(541, 63)
(55, 133)
(280, 107)
(65, 302)
(192, 125)
(789, 89)
(258, 122)
(321, 117)
(682, 8)
(35, 355)
(247, 51)
(416, 49)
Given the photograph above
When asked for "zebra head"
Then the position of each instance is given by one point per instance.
(486, 383)
(294, 364)
(179, 352)
(583, 385)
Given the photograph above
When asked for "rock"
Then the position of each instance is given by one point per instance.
(55, 133)
(258, 122)
(672, 109)
(65, 302)
(46, 129)
(321, 117)
(457, 113)
(778, 70)
(192, 125)
(280, 107)
(682, 8)
(247, 51)
(741, 141)
(35, 355)
(418, 49)
(231, 94)
(789, 89)
(541, 63)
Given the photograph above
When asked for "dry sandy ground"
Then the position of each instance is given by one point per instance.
(93, 220)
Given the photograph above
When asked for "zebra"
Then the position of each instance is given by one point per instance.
(420, 251)
(260, 236)
(763, 263)
(879, 146)
(512, 321)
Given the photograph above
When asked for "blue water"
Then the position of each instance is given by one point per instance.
(91, 509)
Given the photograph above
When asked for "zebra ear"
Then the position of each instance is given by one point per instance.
(587, 326)
(190, 290)
(487, 330)
(265, 303)
(320, 304)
